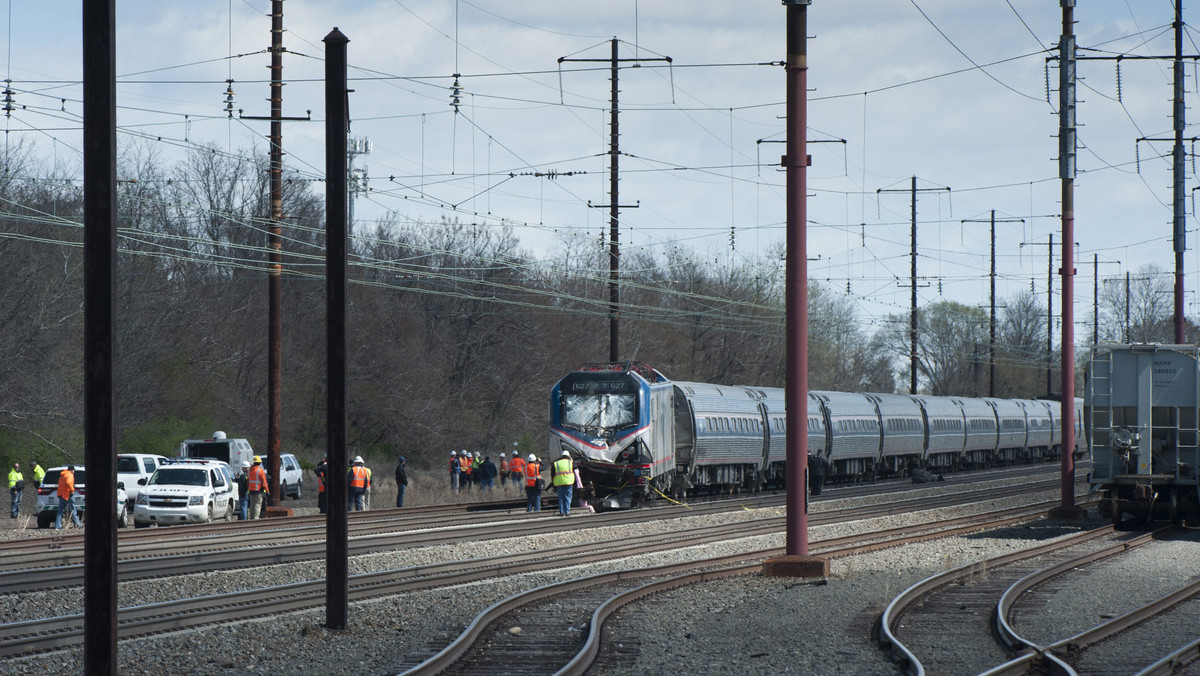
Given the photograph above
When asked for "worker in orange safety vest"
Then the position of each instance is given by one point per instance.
(256, 485)
(66, 489)
(357, 480)
(517, 467)
(533, 477)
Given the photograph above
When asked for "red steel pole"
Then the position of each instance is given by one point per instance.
(797, 279)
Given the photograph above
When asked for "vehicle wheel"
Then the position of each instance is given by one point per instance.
(44, 520)
(210, 513)
(229, 511)
(299, 487)
(123, 517)
(283, 492)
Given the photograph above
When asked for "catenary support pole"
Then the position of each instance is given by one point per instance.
(275, 258)
(796, 562)
(1066, 167)
(796, 395)
(337, 127)
(1179, 172)
(1050, 317)
(99, 358)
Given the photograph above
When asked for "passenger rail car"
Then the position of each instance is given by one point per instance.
(635, 434)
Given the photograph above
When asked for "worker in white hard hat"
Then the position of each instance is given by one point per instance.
(465, 464)
(534, 484)
(563, 473)
(516, 466)
(455, 471)
(357, 479)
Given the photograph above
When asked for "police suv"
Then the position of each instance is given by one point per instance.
(186, 491)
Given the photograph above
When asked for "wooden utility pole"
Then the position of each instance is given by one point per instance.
(912, 387)
(275, 253)
(992, 316)
(614, 205)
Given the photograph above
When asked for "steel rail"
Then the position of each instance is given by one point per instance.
(34, 635)
(585, 656)
(1008, 600)
(909, 662)
(238, 554)
(1175, 662)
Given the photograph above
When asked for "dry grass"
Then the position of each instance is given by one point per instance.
(433, 488)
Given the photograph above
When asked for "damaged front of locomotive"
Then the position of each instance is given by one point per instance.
(609, 417)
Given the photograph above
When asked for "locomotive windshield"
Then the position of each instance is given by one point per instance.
(598, 402)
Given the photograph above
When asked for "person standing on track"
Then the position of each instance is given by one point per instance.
(322, 472)
(533, 492)
(367, 492)
(517, 467)
(257, 487)
(464, 463)
(401, 482)
(356, 483)
(66, 489)
(563, 471)
(243, 484)
(487, 471)
(16, 488)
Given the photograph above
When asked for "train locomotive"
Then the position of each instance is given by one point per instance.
(1142, 408)
(636, 435)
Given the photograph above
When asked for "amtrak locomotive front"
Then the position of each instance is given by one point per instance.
(613, 418)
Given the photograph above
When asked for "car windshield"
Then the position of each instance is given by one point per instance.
(179, 476)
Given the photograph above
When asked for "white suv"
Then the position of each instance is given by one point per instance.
(186, 491)
(134, 466)
(47, 498)
(291, 477)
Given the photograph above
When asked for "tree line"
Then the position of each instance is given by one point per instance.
(455, 333)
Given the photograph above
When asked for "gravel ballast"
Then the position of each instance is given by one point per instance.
(743, 625)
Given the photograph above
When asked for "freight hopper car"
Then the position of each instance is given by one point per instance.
(1142, 406)
(635, 434)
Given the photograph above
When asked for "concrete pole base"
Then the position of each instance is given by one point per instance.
(1074, 512)
(796, 566)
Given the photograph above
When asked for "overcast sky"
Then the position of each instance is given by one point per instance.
(952, 92)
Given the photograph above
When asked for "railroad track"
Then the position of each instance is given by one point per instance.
(43, 634)
(41, 565)
(558, 628)
(1127, 636)
(961, 607)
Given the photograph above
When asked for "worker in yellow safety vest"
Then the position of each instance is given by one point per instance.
(564, 482)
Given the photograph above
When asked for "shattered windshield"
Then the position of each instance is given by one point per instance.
(596, 412)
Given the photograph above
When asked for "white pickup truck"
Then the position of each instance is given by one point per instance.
(134, 466)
